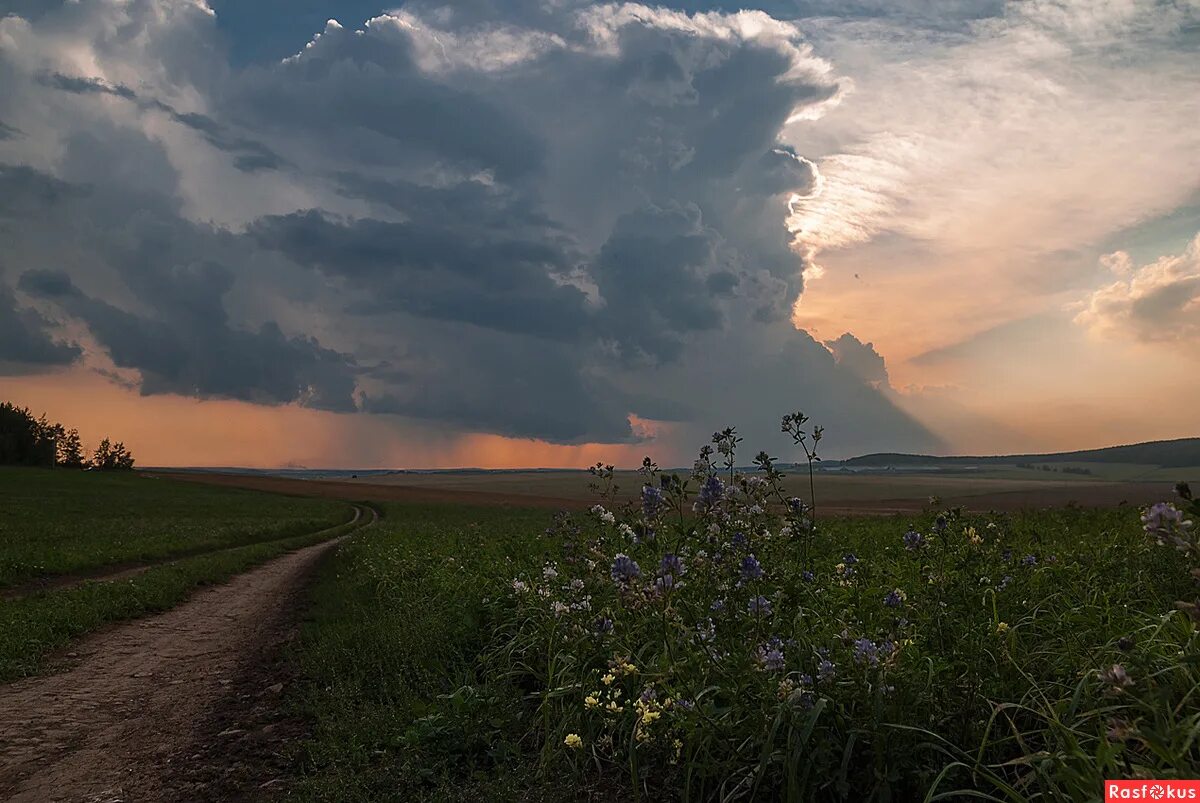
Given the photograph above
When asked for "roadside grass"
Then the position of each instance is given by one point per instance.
(59, 522)
(33, 627)
(426, 675)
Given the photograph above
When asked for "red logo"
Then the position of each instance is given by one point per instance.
(1151, 790)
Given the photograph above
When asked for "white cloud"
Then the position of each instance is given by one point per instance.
(1157, 302)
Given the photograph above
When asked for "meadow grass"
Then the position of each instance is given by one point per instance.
(458, 653)
(33, 627)
(56, 521)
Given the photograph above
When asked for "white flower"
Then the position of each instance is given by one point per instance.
(549, 572)
(519, 586)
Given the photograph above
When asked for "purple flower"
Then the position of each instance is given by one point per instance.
(849, 559)
(739, 539)
(1029, 560)
(670, 564)
(826, 670)
(866, 651)
(711, 491)
(1006, 555)
(652, 501)
(939, 525)
(751, 569)
(602, 626)
(625, 569)
(1004, 581)
(913, 540)
(718, 605)
(894, 598)
(807, 576)
(648, 694)
(759, 605)
(770, 655)
(1163, 519)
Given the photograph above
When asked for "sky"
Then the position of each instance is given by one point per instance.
(550, 232)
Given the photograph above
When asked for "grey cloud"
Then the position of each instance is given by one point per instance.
(249, 154)
(8, 132)
(860, 359)
(194, 351)
(25, 340)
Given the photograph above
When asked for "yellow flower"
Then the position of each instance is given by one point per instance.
(591, 701)
(629, 669)
(613, 708)
(1001, 628)
(573, 741)
(608, 679)
(973, 536)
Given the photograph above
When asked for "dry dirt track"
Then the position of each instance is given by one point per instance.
(133, 719)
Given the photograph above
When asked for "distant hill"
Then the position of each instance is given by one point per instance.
(1165, 454)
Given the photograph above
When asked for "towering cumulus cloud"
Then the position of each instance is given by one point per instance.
(535, 220)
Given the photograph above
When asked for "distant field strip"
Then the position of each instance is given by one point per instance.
(33, 627)
(57, 522)
(128, 570)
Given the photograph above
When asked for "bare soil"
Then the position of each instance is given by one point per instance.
(178, 706)
(869, 495)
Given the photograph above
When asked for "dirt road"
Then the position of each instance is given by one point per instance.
(135, 716)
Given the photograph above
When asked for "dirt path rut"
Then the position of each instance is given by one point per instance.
(126, 719)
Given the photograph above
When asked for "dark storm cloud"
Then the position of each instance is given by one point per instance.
(436, 271)
(249, 154)
(859, 358)
(25, 341)
(520, 218)
(193, 351)
(364, 93)
(8, 132)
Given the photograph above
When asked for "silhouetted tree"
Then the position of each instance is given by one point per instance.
(112, 457)
(70, 449)
(25, 440)
(29, 441)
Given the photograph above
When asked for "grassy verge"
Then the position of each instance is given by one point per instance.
(430, 675)
(56, 522)
(33, 627)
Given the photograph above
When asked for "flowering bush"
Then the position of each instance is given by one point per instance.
(712, 642)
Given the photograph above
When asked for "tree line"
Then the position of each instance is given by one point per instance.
(29, 441)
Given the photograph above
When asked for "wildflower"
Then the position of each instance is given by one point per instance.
(1006, 555)
(608, 679)
(973, 536)
(750, 568)
(670, 564)
(652, 501)
(711, 491)
(1001, 628)
(613, 707)
(1115, 678)
(1004, 581)
(549, 572)
(913, 540)
(739, 539)
(717, 606)
(849, 559)
(807, 576)
(826, 670)
(759, 605)
(603, 626)
(770, 655)
(1166, 523)
(625, 569)
(605, 516)
(1118, 730)
(866, 651)
(575, 585)
(573, 741)
(592, 700)
(845, 573)
(939, 524)
(1029, 560)
(894, 598)
(519, 586)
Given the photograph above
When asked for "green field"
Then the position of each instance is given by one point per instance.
(429, 675)
(56, 522)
